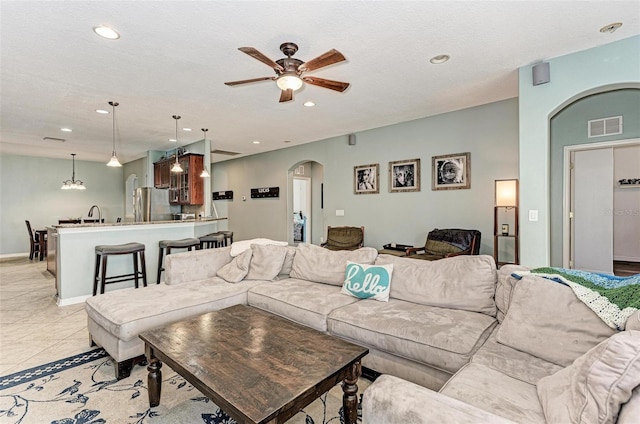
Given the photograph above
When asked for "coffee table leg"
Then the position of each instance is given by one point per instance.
(154, 380)
(350, 397)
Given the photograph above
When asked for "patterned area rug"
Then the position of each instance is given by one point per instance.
(82, 390)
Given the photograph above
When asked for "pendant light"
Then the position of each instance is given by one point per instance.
(205, 173)
(114, 162)
(73, 184)
(176, 166)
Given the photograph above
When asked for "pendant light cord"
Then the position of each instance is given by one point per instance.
(113, 105)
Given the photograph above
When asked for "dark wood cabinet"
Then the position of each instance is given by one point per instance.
(161, 173)
(186, 187)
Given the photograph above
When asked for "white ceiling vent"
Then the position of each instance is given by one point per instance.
(605, 126)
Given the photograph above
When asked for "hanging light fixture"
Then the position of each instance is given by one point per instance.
(205, 173)
(176, 166)
(73, 184)
(114, 162)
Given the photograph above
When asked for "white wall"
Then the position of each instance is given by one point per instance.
(626, 205)
(30, 190)
(488, 132)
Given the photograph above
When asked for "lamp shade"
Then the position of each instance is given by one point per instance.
(507, 193)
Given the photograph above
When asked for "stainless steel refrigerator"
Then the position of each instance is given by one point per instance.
(152, 204)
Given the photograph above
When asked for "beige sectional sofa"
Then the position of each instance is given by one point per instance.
(450, 326)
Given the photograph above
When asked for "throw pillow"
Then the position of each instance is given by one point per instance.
(596, 385)
(368, 281)
(237, 269)
(547, 320)
(237, 247)
(266, 261)
(320, 265)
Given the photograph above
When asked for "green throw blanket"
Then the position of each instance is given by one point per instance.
(613, 299)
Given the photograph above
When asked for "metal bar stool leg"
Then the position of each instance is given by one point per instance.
(160, 254)
(144, 269)
(104, 273)
(136, 275)
(96, 275)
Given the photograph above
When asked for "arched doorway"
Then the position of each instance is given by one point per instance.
(304, 206)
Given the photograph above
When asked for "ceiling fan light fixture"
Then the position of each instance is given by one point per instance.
(289, 82)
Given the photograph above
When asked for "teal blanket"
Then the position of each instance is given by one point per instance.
(613, 299)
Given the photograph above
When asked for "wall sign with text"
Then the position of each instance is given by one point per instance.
(261, 193)
(222, 195)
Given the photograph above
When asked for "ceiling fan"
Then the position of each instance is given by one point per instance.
(289, 71)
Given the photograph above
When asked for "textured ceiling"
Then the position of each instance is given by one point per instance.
(174, 56)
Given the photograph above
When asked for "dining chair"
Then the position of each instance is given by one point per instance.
(34, 242)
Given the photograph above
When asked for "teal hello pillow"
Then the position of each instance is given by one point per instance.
(368, 281)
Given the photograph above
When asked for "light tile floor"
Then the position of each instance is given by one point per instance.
(33, 329)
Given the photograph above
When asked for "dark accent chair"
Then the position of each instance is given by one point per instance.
(447, 243)
(344, 238)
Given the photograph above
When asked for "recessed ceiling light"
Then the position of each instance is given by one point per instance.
(106, 32)
(611, 28)
(441, 58)
(256, 142)
(173, 140)
(66, 129)
(186, 129)
(102, 111)
(309, 104)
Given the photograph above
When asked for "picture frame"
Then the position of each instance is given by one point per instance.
(404, 175)
(451, 172)
(366, 179)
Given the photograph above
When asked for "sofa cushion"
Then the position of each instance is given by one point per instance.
(439, 337)
(266, 261)
(495, 392)
(301, 301)
(546, 319)
(391, 400)
(288, 261)
(512, 362)
(504, 288)
(126, 313)
(317, 264)
(237, 269)
(368, 281)
(185, 267)
(463, 282)
(237, 247)
(596, 385)
(630, 411)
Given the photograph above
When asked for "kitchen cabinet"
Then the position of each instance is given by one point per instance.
(187, 187)
(161, 172)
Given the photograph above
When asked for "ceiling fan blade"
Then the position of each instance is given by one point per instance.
(330, 84)
(262, 58)
(249, 80)
(286, 95)
(329, 58)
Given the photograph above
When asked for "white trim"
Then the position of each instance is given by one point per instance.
(566, 179)
(14, 255)
(72, 300)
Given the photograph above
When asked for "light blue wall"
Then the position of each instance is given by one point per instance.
(30, 189)
(569, 127)
(573, 76)
(488, 132)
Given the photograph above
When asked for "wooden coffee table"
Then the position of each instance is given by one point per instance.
(256, 366)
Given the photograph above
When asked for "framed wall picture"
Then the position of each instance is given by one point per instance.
(451, 172)
(404, 175)
(365, 179)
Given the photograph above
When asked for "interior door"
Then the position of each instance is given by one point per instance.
(592, 206)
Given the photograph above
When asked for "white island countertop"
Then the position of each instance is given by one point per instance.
(76, 258)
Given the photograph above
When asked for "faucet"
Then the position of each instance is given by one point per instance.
(99, 213)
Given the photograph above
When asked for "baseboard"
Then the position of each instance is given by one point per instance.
(72, 300)
(14, 255)
(626, 258)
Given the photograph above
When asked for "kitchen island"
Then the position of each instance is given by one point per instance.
(74, 251)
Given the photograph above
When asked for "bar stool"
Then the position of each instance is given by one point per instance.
(228, 236)
(187, 243)
(212, 240)
(102, 254)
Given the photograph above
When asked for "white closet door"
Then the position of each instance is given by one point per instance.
(592, 191)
